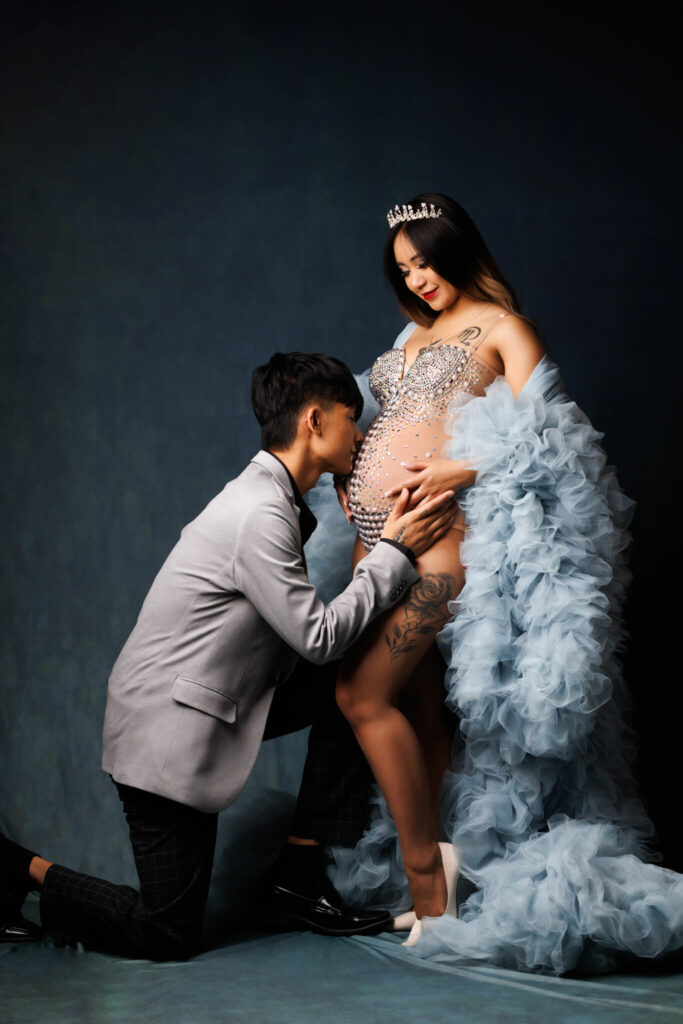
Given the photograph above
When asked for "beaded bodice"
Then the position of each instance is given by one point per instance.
(431, 379)
(410, 423)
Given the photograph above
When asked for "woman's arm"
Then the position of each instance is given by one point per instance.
(519, 349)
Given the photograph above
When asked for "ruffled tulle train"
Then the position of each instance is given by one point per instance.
(541, 800)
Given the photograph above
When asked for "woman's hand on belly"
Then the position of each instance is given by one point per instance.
(431, 477)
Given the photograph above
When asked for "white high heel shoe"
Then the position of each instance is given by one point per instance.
(404, 922)
(451, 869)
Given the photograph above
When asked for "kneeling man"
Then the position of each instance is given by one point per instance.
(227, 648)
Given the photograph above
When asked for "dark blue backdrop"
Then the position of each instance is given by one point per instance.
(188, 187)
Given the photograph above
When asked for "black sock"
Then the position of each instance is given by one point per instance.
(300, 868)
(15, 861)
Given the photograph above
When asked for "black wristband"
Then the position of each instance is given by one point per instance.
(408, 552)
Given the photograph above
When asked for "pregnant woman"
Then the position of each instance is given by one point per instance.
(524, 593)
(467, 333)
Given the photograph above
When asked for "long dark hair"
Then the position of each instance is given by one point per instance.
(452, 245)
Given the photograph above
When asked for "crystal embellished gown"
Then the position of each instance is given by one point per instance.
(541, 800)
(411, 424)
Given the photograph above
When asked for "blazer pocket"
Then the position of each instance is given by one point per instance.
(203, 698)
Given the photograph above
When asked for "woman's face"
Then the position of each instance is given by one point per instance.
(420, 278)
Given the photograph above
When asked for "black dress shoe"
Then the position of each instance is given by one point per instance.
(321, 911)
(18, 929)
(14, 927)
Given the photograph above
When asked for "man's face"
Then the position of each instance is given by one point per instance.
(340, 438)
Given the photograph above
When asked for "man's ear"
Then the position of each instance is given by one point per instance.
(313, 419)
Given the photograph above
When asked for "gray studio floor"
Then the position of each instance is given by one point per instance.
(297, 978)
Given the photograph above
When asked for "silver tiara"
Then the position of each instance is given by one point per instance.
(399, 214)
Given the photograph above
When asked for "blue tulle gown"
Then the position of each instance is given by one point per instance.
(541, 799)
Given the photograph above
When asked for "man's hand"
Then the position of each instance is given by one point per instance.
(342, 497)
(420, 527)
(432, 477)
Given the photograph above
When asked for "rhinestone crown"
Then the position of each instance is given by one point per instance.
(399, 214)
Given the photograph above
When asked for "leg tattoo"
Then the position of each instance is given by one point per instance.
(423, 612)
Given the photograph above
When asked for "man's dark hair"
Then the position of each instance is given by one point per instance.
(288, 382)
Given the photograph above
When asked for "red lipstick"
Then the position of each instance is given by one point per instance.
(429, 295)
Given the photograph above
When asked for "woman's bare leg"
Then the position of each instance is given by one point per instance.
(422, 702)
(373, 674)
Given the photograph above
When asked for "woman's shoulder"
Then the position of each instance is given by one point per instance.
(509, 337)
(509, 328)
(519, 330)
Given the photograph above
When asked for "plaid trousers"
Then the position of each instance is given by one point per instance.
(174, 845)
(332, 802)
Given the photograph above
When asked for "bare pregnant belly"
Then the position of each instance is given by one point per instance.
(378, 468)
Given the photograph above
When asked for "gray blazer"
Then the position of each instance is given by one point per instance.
(226, 618)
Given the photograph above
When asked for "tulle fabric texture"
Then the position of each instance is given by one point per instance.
(541, 800)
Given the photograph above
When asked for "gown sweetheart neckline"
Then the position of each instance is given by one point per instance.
(405, 368)
(463, 347)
